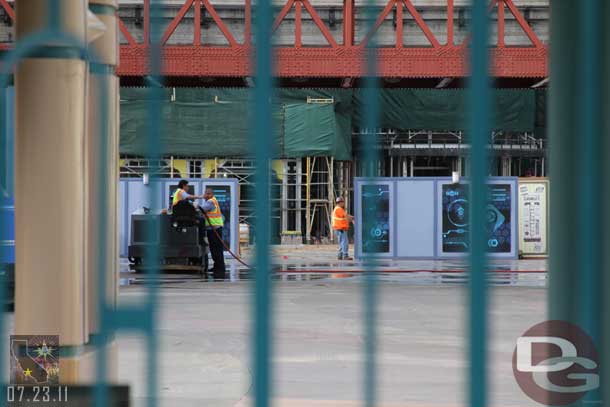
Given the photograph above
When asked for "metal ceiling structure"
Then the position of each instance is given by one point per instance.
(339, 58)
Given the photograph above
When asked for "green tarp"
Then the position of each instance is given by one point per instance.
(215, 122)
(441, 110)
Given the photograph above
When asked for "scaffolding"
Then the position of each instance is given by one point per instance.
(425, 153)
(303, 190)
(138, 167)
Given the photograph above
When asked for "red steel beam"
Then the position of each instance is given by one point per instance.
(176, 21)
(399, 25)
(318, 21)
(450, 33)
(197, 23)
(146, 21)
(248, 22)
(501, 22)
(348, 23)
(523, 23)
(9, 10)
(379, 21)
(126, 33)
(280, 17)
(422, 24)
(337, 61)
(297, 24)
(221, 25)
(445, 61)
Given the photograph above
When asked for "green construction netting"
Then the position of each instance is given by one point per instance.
(214, 122)
(541, 109)
(436, 109)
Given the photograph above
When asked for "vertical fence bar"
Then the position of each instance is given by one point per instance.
(370, 157)
(605, 238)
(101, 154)
(260, 140)
(155, 31)
(479, 97)
(102, 185)
(563, 264)
(589, 249)
(6, 155)
(578, 273)
(590, 109)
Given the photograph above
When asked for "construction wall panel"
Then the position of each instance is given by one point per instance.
(429, 218)
(415, 220)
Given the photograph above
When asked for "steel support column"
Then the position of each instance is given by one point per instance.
(49, 133)
(102, 175)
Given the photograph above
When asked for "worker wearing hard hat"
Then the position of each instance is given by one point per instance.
(341, 221)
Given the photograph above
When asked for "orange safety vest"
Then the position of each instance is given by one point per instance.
(340, 221)
(214, 217)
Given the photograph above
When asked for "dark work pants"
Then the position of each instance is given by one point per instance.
(217, 250)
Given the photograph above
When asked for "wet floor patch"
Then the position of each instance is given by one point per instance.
(526, 273)
(420, 278)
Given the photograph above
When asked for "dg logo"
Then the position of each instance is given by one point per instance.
(556, 363)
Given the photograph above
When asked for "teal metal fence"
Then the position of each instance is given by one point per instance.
(572, 108)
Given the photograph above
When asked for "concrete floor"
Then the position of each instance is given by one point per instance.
(204, 332)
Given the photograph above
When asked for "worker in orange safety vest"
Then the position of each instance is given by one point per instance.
(341, 221)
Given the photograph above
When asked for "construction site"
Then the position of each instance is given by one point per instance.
(324, 97)
(304, 203)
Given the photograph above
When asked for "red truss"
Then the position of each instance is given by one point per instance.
(341, 57)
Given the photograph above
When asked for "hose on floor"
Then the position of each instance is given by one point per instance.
(224, 244)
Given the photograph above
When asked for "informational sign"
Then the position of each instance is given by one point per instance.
(533, 197)
(456, 222)
(375, 206)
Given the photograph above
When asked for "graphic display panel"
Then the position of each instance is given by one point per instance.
(375, 204)
(223, 196)
(456, 222)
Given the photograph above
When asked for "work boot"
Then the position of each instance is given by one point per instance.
(346, 257)
(340, 257)
(219, 275)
